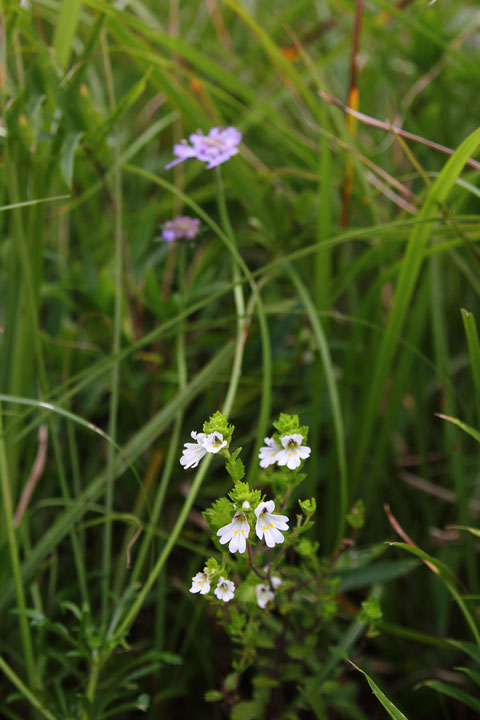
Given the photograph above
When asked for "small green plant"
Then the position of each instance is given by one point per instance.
(273, 593)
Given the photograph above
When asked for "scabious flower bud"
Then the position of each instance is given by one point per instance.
(180, 227)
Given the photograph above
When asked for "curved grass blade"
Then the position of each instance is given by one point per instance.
(391, 709)
(409, 272)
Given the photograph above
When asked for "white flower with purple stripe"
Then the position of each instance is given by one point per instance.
(292, 452)
(180, 227)
(214, 149)
(268, 525)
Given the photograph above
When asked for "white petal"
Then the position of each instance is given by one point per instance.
(242, 543)
(277, 535)
(282, 457)
(279, 524)
(226, 528)
(270, 506)
(233, 546)
(226, 538)
(260, 508)
(259, 529)
(268, 537)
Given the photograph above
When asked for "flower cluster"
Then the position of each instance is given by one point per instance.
(232, 518)
(267, 527)
(214, 149)
(289, 452)
(180, 227)
(225, 589)
(194, 452)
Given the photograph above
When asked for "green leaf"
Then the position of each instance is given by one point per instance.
(213, 696)
(308, 507)
(356, 516)
(235, 467)
(372, 609)
(67, 155)
(218, 423)
(463, 426)
(219, 514)
(472, 674)
(241, 494)
(452, 691)
(393, 711)
(246, 710)
(471, 332)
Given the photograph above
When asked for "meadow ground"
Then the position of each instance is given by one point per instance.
(330, 272)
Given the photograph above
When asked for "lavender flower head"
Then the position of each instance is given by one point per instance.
(180, 227)
(215, 148)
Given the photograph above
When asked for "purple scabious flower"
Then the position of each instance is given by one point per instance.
(214, 149)
(180, 227)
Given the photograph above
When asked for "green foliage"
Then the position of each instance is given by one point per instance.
(219, 514)
(218, 423)
(308, 507)
(356, 516)
(235, 467)
(289, 425)
(327, 280)
(242, 494)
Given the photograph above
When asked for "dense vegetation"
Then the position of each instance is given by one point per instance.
(335, 277)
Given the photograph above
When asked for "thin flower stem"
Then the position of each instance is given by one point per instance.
(242, 320)
(23, 622)
(174, 441)
(113, 408)
(252, 566)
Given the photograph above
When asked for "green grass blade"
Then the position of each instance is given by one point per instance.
(409, 273)
(391, 709)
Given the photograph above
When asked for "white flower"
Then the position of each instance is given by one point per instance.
(268, 454)
(264, 595)
(293, 451)
(245, 504)
(268, 526)
(200, 583)
(275, 581)
(236, 533)
(225, 589)
(193, 452)
(214, 442)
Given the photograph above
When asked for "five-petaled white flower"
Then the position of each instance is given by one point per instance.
(293, 451)
(268, 526)
(225, 589)
(214, 442)
(200, 583)
(193, 452)
(235, 533)
(268, 454)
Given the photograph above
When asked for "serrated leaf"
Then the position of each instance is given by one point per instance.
(219, 514)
